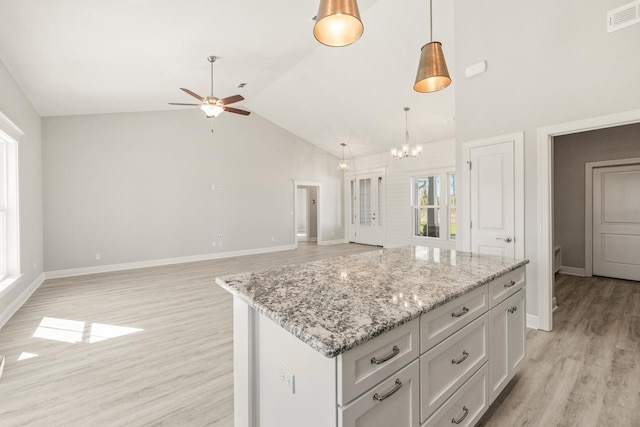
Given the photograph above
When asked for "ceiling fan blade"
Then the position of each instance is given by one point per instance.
(232, 99)
(236, 110)
(179, 103)
(195, 95)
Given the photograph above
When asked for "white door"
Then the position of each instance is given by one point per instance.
(616, 222)
(368, 197)
(493, 199)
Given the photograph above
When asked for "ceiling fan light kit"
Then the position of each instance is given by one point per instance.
(338, 23)
(433, 74)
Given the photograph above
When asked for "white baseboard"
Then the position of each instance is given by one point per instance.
(332, 242)
(533, 322)
(159, 262)
(6, 314)
(572, 271)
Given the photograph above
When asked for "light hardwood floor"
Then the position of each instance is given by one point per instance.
(177, 370)
(587, 371)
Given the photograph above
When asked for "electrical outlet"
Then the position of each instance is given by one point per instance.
(213, 244)
(273, 239)
(35, 266)
(219, 187)
(98, 257)
(287, 378)
(213, 187)
(220, 243)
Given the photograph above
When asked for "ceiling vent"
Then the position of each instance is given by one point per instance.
(623, 16)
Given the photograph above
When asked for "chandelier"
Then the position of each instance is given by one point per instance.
(406, 150)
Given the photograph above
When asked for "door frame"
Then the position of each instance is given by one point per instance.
(544, 183)
(318, 185)
(517, 139)
(588, 206)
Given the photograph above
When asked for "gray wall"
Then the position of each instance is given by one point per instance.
(19, 110)
(137, 186)
(571, 152)
(549, 62)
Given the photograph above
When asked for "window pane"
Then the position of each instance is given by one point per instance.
(452, 223)
(427, 191)
(427, 222)
(452, 189)
(365, 201)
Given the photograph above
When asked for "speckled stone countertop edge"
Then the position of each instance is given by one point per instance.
(329, 351)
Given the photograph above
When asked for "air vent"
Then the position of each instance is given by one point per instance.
(623, 16)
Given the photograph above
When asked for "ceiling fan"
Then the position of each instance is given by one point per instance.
(211, 105)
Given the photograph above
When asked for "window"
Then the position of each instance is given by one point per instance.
(8, 210)
(434, 216)
(3, 209)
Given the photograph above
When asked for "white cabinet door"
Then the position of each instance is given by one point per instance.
(507, 342)
(616, 222)
(369, 209)
(493, 199)
(393, 402)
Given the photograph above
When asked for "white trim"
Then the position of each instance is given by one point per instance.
(572, 271)
(21, 299)
(296, 184)
(518, 162)
(545, 199)
(166, 261)
(588, 206)
(532, 321)
(332, 242)
(9, 128)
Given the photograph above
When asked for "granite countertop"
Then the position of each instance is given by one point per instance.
(336, 304)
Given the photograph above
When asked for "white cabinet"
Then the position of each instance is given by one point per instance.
(507, 342)
(394, 402)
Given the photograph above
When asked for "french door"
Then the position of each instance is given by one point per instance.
(366, 223)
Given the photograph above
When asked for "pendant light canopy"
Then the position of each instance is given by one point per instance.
(342, 164)
(338, 23)
(433, 74)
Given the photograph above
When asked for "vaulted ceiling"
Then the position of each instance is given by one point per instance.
(86, 57)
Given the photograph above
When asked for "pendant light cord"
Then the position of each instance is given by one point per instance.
(212, 77)
(406, 126)
(431, 18)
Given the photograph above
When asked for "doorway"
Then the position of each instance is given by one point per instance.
(544, 184)
(307, 213)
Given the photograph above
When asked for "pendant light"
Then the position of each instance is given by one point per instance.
(338, 23)
(433, 74)
(405, 150)
(342, 164)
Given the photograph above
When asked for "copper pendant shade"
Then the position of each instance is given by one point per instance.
(338, 23)
(433, 74)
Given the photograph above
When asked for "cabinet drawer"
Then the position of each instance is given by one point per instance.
(504, 286)
(444, 368)
(442, 322)
(366, 365)
(467, 404)
(392, 403)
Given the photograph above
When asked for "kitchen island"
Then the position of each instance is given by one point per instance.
(404, 336)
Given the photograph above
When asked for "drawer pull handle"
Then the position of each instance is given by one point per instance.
(394, 353)
(462, 312)
(462, 417)
(510, 284)
(462, 359)
(389, 394)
